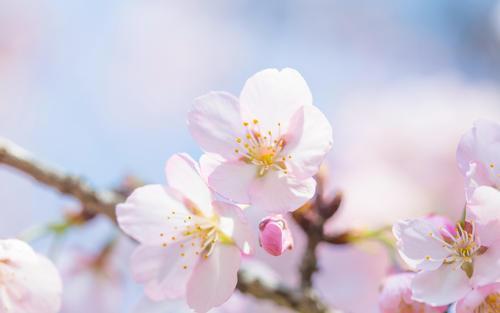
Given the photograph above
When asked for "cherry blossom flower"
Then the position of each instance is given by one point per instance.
(95, 276)
(29, 282)
(396, 297)
(263, 148)
(449, 265)
(275, 235)
(190, 244)
(481, 300)
(478, 156)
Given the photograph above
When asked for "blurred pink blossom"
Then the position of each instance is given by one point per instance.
(396, 148)
(484, 299)
(396, 296)
(350, 276)
(29, 282)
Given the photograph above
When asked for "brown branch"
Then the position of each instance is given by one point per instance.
(92, 201)
(299, 301)
(104, 202)
(312, 218)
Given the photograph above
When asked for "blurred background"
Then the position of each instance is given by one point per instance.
(101, 89)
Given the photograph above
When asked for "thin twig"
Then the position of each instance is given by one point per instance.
(104, 202)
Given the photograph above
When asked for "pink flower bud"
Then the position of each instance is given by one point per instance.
(275, 235)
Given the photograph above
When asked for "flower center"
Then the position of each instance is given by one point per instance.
(198, 234)
(491, 304)
(263, 149)
(463, 246)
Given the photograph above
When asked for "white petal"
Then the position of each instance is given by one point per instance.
(234, 225)
(232, 180)
(163, 270)
(276, 192)
(443, 286)
(153, 214)
(416, 239)
(214, 279)
(484, 210)
(183, 174)
(487, 265)
(272, 96)
(215, 123)
(309, 138)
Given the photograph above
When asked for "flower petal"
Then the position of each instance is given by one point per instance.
(234, 224)
(163, 270)
(308, 139)
(183, 174)
(272, 96)
(214, 279)
(487, 265)
(152, 214)
(443, 286)
(276, 192)
(232, 179)
(34, 284)
(215, 123)
(484, 210)
(480, 148)
(416, 240)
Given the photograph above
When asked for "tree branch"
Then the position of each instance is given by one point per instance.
(104, 202)
(92, 201)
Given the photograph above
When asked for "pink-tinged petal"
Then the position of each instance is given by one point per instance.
(396, 296)
(272, 96)
(278, 193)
(153, 213)
(443, 223)
(183, 174)
(232, 180)
(274, 235)
(417, 240)
(164, 271)
(214, 279)
(30, 282)
(358, 272)
(443, 286)
(487, 265)
(480, 148)
(476, 298)
(215, 123)
(484, 210)
(234, 225)
(308, 139)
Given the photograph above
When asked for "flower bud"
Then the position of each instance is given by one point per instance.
(275, 235)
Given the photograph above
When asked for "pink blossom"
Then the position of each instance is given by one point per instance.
(263, 148)
(350, 276)
(275, 235)
(396, 297)
(189, 243)
(449, 265)
(29, 282)
(480, 300)
(478, 156)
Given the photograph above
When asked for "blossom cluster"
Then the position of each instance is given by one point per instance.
(261, 153)
(455, 264)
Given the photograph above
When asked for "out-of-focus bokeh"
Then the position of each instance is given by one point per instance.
(101, 89)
